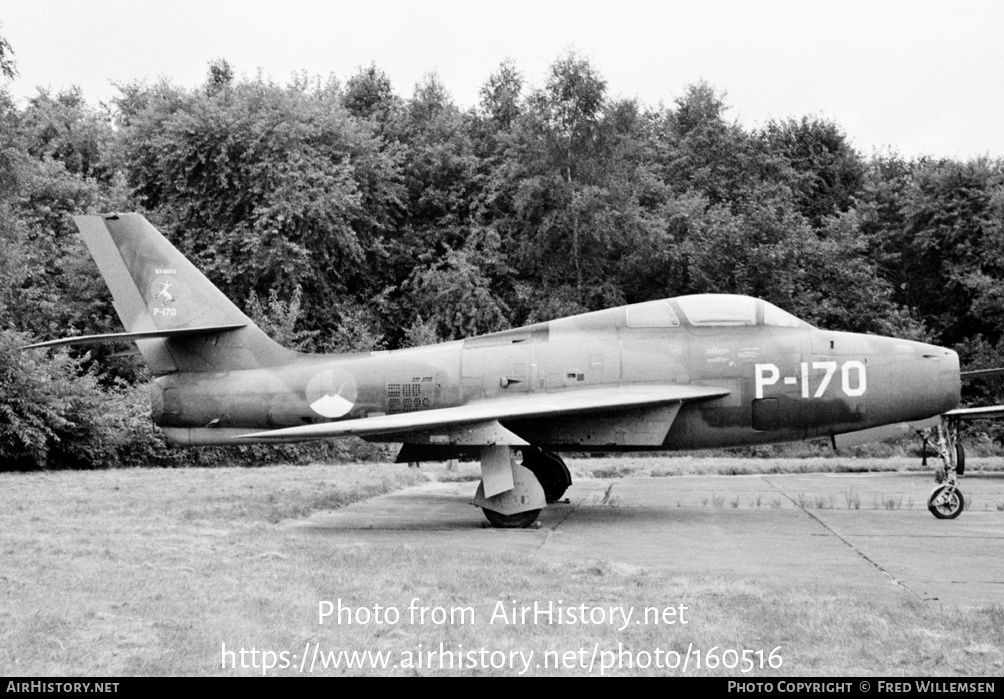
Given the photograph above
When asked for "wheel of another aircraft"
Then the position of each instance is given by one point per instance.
(516, 521)
(550, 471)
(946, 506)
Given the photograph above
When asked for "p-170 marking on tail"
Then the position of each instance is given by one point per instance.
(692, 372)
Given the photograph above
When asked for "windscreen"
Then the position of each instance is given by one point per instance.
(772, 315)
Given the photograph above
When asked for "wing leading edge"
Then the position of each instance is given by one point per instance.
(482, 417)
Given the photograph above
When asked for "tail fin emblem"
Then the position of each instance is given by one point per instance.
(162, 293)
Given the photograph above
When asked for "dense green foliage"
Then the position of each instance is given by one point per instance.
(345, 217)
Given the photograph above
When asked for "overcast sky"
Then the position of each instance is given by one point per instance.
(917, 77)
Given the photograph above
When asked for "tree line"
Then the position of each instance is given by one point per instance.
(342, 216)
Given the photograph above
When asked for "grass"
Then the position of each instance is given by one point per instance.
(150, 572)
(853, 499)
(607, 499)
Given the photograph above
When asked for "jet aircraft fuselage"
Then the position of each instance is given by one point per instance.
(785, 380)
(692, 372)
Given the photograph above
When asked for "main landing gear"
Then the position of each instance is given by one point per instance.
(512, 494)
(947, 502)
(550, 470)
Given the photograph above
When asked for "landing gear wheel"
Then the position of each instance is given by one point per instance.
(960, 458)
(946, 502)
(515, 503)
(550, 471)
(519, 520)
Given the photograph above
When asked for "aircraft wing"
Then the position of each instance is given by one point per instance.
(989, 412)
(482, 417)
(981, 373)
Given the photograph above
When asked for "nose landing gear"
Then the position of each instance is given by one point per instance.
(947, 502)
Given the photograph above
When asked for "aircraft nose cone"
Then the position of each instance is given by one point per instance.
(952, 375)
(939, 367)
(915, 380)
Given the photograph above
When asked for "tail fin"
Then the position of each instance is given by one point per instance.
(159, 294)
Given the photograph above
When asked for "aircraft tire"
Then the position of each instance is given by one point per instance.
(946, 508)
(550, 471)
(519, 520)
(960, 458)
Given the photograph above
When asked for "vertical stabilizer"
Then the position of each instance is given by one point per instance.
(155, 288)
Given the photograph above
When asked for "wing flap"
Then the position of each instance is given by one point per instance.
(577, 402)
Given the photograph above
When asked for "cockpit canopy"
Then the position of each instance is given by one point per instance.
(699, 311)
(710, 310)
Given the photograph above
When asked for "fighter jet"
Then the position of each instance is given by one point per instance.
(694, 372)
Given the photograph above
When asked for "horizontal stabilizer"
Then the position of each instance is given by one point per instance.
(989, 412)
(139, 335)
(594, 400)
